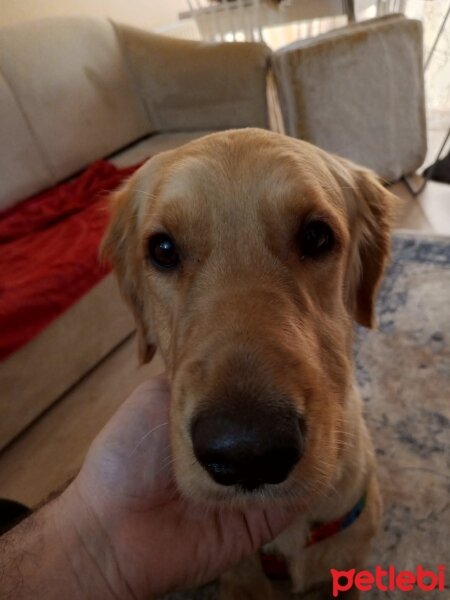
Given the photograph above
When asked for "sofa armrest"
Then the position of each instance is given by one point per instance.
(358, 92)
(188, 85)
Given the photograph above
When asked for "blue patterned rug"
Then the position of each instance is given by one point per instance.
(403, 370)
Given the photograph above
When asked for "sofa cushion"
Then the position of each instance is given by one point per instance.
(22, 167)
(153, 144)
(189, 85)
(69, 78)
(358, 92)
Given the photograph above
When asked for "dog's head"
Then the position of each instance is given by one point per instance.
(245, 256)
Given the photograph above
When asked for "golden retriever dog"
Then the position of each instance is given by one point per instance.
(246, 256)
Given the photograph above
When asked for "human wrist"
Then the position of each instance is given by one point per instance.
(89, 554)
(44, 557)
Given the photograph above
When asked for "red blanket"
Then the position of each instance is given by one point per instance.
(48, 252)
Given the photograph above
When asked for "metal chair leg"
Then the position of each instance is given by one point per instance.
(429, 173)
(349, 7)
(438, 36)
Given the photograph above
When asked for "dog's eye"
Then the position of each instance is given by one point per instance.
(162, 252)
(316, 239)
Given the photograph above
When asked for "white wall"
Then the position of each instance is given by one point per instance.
(149, 14)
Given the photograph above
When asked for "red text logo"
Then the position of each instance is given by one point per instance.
(388, 580)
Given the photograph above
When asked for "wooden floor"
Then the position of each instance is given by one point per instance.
(52, 450)
(429, 213)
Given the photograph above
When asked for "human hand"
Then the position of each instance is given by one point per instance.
(145, 536)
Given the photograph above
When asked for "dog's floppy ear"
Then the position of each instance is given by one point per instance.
(120, 247)
(374, 212)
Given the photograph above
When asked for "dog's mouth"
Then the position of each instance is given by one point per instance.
(201, 487)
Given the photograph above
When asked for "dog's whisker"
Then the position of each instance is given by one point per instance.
(166, 465)
(145, 436)
(167, 461)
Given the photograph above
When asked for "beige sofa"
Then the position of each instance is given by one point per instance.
(73, 90)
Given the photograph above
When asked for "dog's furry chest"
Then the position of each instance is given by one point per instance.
(307, 565)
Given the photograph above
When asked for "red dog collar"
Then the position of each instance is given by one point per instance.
(275, 565)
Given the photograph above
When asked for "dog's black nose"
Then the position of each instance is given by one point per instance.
(248, 452)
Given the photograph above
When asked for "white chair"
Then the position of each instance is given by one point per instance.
(240, 20)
